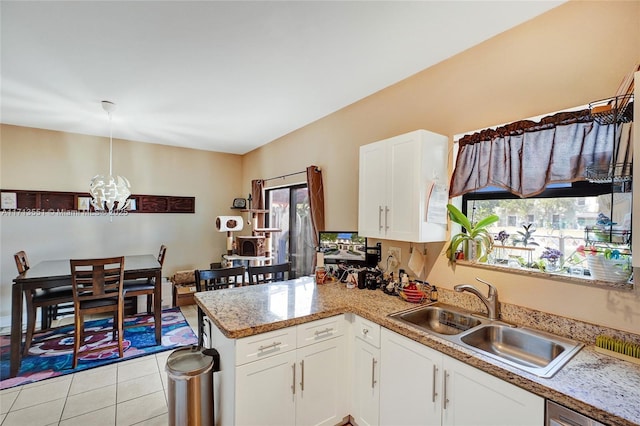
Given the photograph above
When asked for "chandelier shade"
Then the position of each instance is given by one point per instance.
(109, 193)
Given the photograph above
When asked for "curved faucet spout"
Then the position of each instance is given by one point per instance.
(491, 301)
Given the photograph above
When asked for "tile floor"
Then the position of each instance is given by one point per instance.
(126, 393)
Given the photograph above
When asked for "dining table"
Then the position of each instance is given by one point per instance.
(55, 273)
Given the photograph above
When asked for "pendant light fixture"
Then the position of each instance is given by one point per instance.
(109, 193)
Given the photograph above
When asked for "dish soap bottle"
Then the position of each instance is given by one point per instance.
(433, 295)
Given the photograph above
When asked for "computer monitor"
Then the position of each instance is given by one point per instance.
(343, 247)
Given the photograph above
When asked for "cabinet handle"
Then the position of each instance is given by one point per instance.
(379, 218)
(302, 375)
(433, 386)
(326, 330)
(386, 218)
(365, 331)
(373, 373)
(445, 398)
(293, 385)
(271, 346)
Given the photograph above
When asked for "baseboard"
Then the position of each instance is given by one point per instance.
(5, 322)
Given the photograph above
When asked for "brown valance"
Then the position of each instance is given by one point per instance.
(526, 156)
(519, 127)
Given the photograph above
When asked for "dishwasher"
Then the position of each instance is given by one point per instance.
(558, 415)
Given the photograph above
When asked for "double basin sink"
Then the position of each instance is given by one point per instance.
(536, 352)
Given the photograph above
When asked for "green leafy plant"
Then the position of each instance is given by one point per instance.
(525, 237)
(473, 233)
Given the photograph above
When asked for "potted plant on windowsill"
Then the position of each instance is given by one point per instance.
(606, 264)
(474, 237)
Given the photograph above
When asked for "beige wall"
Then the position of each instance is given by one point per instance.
(46, 160)
(570, 56)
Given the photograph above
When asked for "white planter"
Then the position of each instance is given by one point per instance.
(613, 270)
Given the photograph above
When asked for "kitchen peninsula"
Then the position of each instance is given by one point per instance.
(596, 385)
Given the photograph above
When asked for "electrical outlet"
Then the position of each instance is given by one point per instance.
(396, 253)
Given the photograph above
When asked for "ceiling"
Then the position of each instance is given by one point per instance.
(225, 76)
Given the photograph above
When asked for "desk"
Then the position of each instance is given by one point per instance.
(53, 273)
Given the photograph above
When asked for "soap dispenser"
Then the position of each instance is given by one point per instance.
(433, 295)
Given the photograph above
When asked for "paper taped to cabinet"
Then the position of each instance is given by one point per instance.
(436, 208)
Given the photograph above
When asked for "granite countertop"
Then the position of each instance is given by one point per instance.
(602, 387)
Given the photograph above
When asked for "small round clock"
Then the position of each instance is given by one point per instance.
(239, 203)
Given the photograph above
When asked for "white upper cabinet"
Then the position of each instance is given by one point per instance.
(396, 177)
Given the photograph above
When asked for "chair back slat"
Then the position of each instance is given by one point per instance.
(216, 279)
(22, 261)
(269, 273)
(93, 279)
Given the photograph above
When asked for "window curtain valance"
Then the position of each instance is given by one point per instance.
(525, 156)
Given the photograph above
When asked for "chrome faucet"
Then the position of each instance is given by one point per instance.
(491, 302)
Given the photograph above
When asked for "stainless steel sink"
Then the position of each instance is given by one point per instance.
(536, 352)
(438, 319)
(539, 353)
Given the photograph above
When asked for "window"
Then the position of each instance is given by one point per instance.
(564, 217)
(570, 173)
(295, 241)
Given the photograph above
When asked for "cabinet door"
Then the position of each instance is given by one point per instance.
(366, 391)
(403, 187)
(410, 382)
(265, 391)
(475, 397)
(372, 190)
(320, 394)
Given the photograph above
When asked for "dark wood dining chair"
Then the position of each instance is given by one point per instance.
(47, 300)
(216, 279)
(144, 286)
(269, 273)
(97, 289)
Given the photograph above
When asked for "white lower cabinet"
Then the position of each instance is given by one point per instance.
(264, 391)
(410, 376)
(301, 376)
(320, 397)
(421, 386)
(365, 395)
(292, 376)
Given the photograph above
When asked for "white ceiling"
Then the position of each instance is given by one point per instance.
(224, 76)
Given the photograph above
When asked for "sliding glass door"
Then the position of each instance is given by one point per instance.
(289, 211)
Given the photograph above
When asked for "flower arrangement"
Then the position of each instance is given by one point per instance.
(551, 254)
(502, 237)
(550, 259)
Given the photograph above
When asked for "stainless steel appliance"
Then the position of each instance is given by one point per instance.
(557, 415)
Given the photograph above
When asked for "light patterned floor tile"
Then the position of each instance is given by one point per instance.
(37, 415)
(90, 401)
(138, 387)
(129, 370)
(103, 417)
(92, 379)
(7, 399)
(47, 391)
(48, 382)
(130, 412)
(162, 420)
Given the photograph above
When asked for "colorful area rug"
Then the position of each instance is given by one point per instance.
(51, 353)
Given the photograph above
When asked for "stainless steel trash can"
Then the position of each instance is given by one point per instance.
(190, 378)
